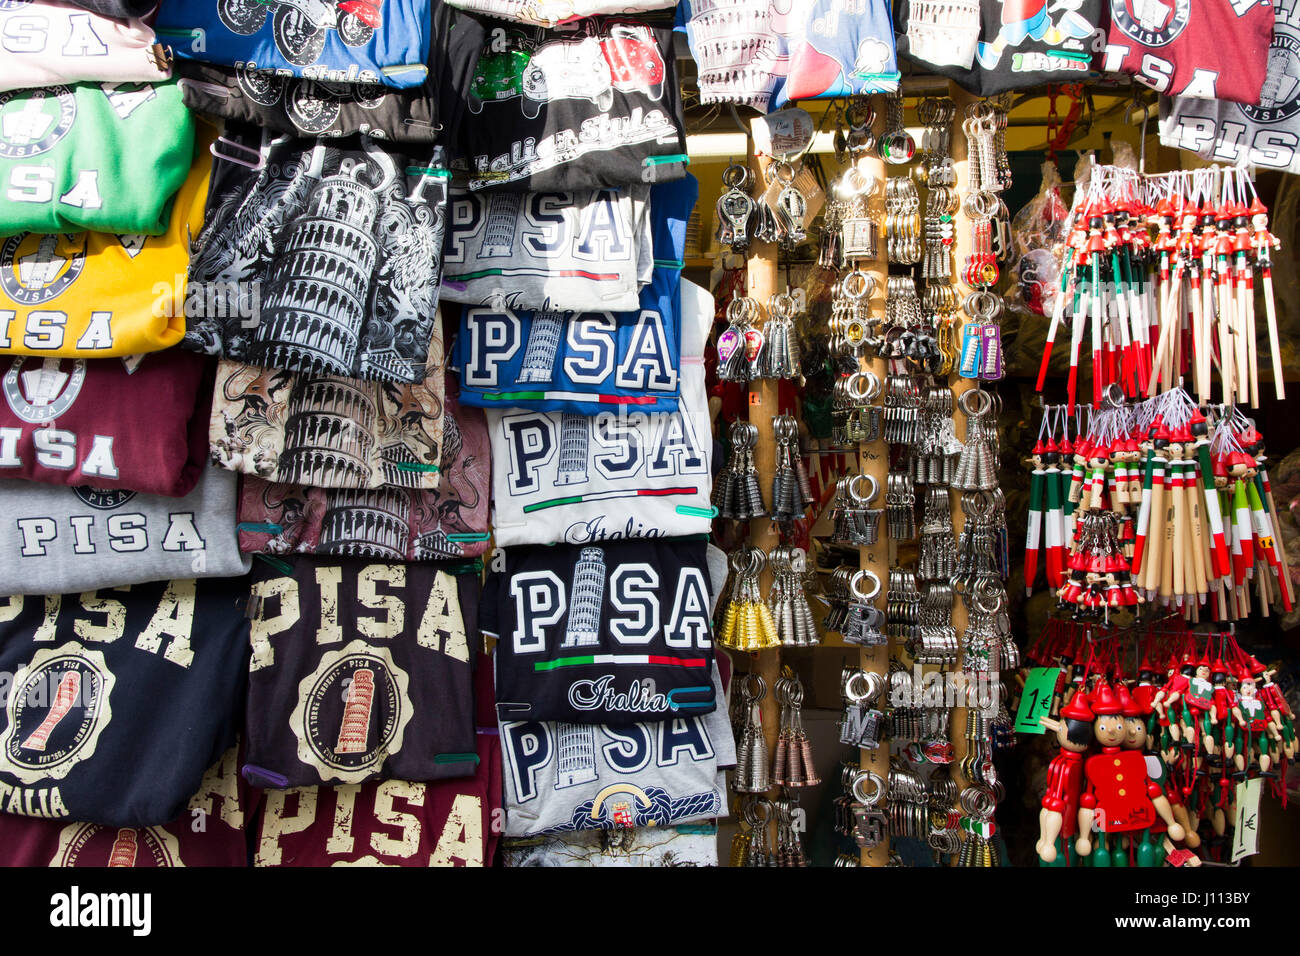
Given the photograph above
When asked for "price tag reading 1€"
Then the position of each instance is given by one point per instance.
(1245, 835)
(1036, 700)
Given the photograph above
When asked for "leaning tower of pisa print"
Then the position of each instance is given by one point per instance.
(576, 749)
(575, 433)
(329, 433)
(373, 523)
(543, 344)
(319, 287)
(502, 219)
(354, 729)
(586, 594)
(64, 698)
(125, 848)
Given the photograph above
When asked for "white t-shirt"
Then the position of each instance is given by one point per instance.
(564, 477)
(45, 43)
(562, 778)
(581, 252)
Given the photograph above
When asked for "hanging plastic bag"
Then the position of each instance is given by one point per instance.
(1035, 231)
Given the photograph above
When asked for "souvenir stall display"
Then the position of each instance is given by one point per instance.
(477, 432)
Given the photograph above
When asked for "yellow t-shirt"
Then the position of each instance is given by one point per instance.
(93, 294)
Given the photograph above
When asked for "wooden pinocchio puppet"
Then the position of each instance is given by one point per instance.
(1137, 736)
(1059, 817)
(1119, 795)
(1250, 713)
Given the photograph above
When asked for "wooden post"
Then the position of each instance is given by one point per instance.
(760, 285)
(873, 460)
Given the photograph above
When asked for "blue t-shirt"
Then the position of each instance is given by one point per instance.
(833, 53)
(356, 41)
(587, 362)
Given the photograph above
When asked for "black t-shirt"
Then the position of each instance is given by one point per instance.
(327, 260)
(304, 107)
(614, 633)
(120, 699)
(360, 671)
(573, 109)
(1022, 43)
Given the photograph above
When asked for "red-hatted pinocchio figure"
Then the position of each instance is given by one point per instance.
(1060, 691)
(1138, 722)
(1278, 708)
(1059, 816)
(1251, 714)
(1153, 847)
(1172, 693)
(1144, 690)
(1119, 795)
(1198, 702)
(1221, 713)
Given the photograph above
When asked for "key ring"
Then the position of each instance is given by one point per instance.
(855, 585)
(735, 176)
(861, 501)
(859, 789)
(863, 387)
(980, 397)
(857, 285)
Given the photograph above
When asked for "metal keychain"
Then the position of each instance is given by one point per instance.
(735, 209)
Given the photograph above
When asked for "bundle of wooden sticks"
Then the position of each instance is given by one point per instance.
(1155, 502)
(1159, 272)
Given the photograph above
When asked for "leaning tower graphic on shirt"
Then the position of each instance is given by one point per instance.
(125, 848)
(575, 435)
(354, 728)
(343, 248)
(576, 748)
(543, 345)
(586, 595)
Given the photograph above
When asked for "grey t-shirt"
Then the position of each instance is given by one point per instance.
(60, 540)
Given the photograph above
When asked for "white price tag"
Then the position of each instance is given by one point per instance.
(1245, 827)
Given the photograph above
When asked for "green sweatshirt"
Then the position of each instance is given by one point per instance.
(104, 157)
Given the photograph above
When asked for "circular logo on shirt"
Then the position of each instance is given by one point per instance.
(312, 107)
(1280, 97)
(93, 844)
(34, 123)
(1151, 22)
(43, 392)
(262, 88)
(352, 712)
(104, 499)
(37, 268)
(57, 708)
(368, 96)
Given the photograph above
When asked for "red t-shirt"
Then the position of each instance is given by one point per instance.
(1212, 49)
(387, 822)
(91, 422)
(209, 833)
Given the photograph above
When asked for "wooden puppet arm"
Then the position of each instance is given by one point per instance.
(1083, 844)
(1161, 803)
